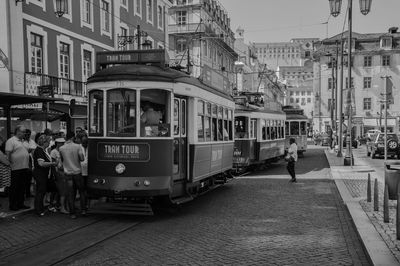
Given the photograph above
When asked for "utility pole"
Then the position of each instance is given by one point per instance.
(385, 101)
(336, 84)
(348, 159)
(340, 102)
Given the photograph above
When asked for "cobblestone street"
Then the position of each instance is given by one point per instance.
(259, 219)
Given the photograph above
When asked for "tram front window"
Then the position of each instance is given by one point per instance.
(154, 113)
(294, 128)
(121, 113)
(241, 125)
(303, 128)
(96, 103)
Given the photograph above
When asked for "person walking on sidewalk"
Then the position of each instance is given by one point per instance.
(71, 156)
(41, 172)
(18, 156)
(30, 145)
(292, 159)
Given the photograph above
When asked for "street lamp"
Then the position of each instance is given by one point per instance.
(335, 6)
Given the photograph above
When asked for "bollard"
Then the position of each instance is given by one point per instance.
(386, 205)
(398, 213)
(369, 189)
(376, 196)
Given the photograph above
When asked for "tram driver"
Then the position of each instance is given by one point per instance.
(150, 119)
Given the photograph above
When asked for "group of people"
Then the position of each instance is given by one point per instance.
(56, 162)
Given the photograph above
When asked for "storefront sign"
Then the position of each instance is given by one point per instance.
(126, 152)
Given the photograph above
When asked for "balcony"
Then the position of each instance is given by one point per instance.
(186, 28)
(62, 87)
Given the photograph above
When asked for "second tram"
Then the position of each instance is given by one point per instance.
(296, 127)
(154, 132)
(259, 132)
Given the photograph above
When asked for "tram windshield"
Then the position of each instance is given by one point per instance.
(154, 113)
(241, 125)
(294, 128)
(121, 113)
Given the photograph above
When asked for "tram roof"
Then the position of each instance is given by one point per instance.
(296, 117)
(242, 108)
(134, 72)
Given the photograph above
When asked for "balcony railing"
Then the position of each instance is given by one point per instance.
(186, 28)
(61, 86)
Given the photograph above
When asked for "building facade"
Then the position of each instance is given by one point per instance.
(41, 48)
(375, 64)
(201, 40)
(293, 53)
(299, 86)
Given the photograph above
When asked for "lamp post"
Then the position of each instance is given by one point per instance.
(365, 7)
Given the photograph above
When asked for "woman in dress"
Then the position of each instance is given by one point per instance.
(42, 164)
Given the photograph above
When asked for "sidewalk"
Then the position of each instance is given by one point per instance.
(379, 239)
(5, 212)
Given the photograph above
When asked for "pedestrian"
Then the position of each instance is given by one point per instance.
(292, 159)
(42, 170)
(30, 146)
(59, 174)
(71, 156)
(18, 156)
(5, 170)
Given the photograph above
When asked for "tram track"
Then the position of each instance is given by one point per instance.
(63, 248)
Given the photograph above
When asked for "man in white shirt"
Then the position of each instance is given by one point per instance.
(292, 153)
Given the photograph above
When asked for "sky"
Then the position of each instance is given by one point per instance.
(282, 20)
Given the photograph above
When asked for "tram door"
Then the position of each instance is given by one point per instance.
(180, 139)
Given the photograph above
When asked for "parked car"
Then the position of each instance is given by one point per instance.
(325, 140)
(377, 145)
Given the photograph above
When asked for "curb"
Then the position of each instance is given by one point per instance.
(375, 248)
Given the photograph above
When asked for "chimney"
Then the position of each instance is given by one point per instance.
(393, 30)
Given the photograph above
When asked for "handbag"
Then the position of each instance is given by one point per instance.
(289, 158)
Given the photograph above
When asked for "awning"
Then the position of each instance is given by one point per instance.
(10, 99)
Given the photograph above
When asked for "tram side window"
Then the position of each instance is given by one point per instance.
(273, 130)
(121, 113)
(287, 128)
(253, 128)
(220, 121)
(96, 105)
(176, 117)
(214, 130)
(265, 129)
(225, 129)
(294, 128)
(155, 113)
(200, 121)
(303, 128)
(230, 117)
(207, 122)
(278, 129)
(282, 129)
(241, 127)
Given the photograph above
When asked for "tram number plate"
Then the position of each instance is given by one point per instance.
(123, 152)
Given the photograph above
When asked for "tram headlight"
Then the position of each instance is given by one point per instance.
(120, 168)
(96, 181)
(146, 183)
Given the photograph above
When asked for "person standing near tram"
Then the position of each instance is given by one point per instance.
(18, 157)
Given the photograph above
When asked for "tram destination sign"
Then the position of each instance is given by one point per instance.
(127, 152)
(155, 56)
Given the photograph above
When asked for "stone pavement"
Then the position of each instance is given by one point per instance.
(378, 238)
(260, 219)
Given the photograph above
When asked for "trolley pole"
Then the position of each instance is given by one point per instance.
(336, 84)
